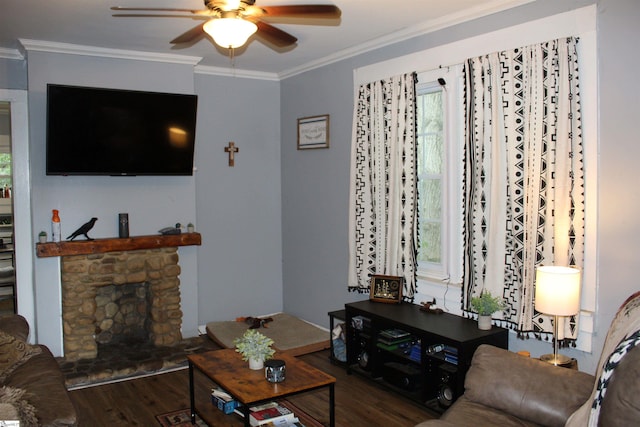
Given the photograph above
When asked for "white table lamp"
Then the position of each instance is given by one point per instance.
(557, 294)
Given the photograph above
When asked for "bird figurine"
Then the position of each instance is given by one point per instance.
(171, 230)
(83, 230)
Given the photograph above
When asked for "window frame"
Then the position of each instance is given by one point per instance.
(450, 268)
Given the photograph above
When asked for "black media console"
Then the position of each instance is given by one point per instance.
(423, 356)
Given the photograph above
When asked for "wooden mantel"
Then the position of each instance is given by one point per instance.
(97, 246)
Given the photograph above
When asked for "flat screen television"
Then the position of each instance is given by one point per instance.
(95, 131)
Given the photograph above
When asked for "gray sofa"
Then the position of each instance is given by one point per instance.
(505, 389)
(32, 383)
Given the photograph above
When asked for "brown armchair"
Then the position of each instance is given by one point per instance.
(32, 386)
(505, 389)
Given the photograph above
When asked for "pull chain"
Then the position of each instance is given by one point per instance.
(232, 58)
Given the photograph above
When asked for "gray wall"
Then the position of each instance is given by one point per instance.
(315, 184)
(13, 74)
(238, 208)
(619, 203)
(237, 212)
(315, 195)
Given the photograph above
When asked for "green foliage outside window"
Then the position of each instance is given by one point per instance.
(5, 169)
(430, 164)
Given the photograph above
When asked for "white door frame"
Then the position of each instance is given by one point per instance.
(22, 221)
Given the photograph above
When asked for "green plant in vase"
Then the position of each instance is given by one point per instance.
(485, 305)
(254, 347)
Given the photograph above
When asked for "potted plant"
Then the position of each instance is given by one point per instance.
(42, 237)
(190, 228)
(254, 347)
(485, 305)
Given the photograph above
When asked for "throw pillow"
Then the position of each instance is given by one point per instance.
(13, 406)
(13, 353)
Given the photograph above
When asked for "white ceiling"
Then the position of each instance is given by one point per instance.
(365, 24)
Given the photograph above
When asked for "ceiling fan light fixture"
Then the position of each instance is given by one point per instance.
(230, 32)
(231, 5)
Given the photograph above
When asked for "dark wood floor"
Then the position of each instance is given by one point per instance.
(137, 402)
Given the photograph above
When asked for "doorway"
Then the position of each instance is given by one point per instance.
(14, 102)
(8, 301)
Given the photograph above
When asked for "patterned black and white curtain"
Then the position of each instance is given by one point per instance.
(524, 182)
(382, 217)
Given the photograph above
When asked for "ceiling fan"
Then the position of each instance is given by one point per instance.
(231, 22)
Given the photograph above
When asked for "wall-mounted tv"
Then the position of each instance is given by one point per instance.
(95, 131)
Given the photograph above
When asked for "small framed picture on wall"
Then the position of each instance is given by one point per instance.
(313, 132)
(386, 289)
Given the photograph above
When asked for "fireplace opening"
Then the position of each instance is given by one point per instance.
(123, 314)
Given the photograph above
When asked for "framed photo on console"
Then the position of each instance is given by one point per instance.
(386, 289)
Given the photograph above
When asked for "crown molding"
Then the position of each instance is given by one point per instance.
(74, 49)
(10, 53)
(408, 33)
(235, 72)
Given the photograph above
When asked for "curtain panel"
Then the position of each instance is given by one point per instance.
(524, 181)
(383, 192)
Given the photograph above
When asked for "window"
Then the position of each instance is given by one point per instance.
(439, 134)
(430, 158)
(5, 170)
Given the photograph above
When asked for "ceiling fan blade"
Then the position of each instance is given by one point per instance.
(275, 35)
(153, 15)
(189, 35)
(301, 11)
(154, 9)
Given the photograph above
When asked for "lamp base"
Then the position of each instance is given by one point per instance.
(556, 359)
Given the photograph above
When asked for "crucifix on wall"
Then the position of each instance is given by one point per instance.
(231, 149)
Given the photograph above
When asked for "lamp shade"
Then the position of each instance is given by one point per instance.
(557, 290)
(229, 32)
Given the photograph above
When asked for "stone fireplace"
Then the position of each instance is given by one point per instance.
(88, 312)
(119, 286)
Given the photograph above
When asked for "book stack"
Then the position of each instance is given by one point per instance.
(272, 415)
(415, 352)
(391, 339)
(450, 354)
(223, 401)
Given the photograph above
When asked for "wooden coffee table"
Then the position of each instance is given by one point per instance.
(227, 369)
